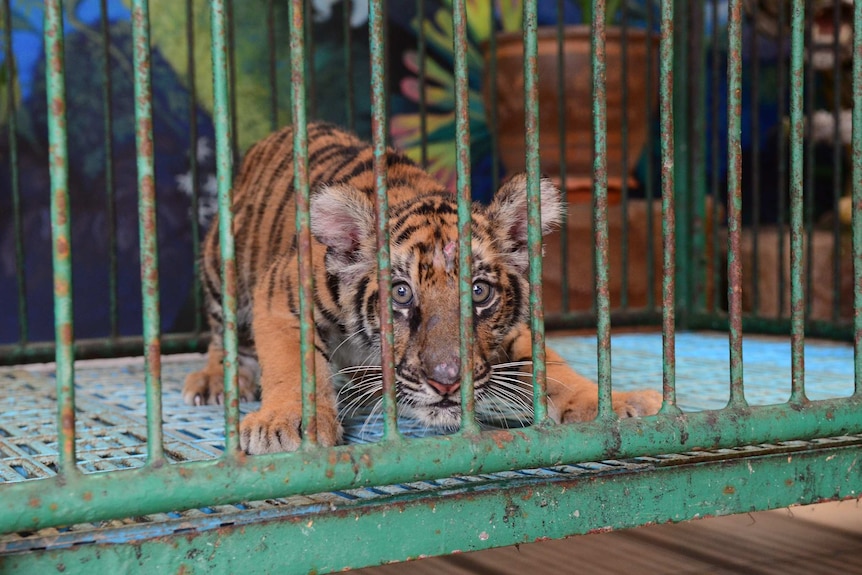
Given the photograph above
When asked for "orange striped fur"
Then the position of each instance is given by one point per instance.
(423, 243)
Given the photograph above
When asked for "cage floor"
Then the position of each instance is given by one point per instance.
(111, 418)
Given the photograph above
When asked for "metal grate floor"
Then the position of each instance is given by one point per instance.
(111, 423)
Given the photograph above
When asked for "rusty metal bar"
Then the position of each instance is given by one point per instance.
(222, 118)
(465, 241)
(668, 207)
(298, 61)
(734, 199)
(57, 501)
(534, 209)
(797, 232)
(376, 26)
(600, 209)
(147, 227)
(58, 162)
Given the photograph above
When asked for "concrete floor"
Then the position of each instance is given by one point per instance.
(823, 538)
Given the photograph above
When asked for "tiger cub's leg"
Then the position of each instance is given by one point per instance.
(277, 426)
(206, 387)
(573, 397)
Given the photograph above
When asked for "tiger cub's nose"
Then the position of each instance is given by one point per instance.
(445, 377)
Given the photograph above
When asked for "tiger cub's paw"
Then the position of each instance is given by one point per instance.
(206, 387)
(274, 431)
(637, 403)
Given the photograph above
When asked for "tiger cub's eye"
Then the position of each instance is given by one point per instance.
(482, 292)
(402, 294)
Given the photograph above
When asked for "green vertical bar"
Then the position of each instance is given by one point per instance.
(60, 234)
(303, 222)
(465, 259)
(668, 208)
(600, 208)
(222, 119)
(857, 196)
(110, 210)
(534, 209)
(376, 25)
(797, 232)
(734, 199)
(147, 227)
(13, 169)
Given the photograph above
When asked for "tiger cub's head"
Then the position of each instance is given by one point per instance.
(425, 301)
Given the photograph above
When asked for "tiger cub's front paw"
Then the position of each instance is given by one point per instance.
(274, 431)
(637, 403)
(206, 387)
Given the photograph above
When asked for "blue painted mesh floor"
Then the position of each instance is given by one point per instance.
(111, 423)
(111, 415)
(111, 404)
(702, 366)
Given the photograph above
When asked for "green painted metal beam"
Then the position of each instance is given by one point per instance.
(78, 498)
(474, 518)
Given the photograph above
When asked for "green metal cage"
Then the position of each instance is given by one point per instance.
(136, 495)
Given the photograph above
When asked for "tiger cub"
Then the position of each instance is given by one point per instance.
(424, 256)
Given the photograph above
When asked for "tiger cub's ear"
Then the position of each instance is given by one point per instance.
(508, 213)
(342, 218)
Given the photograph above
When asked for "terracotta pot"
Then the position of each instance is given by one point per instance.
(578, 91)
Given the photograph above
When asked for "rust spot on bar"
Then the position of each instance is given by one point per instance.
(87, 496)
(729, 490)
(35, 502)
(58, 107)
